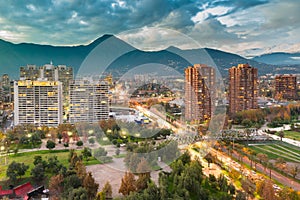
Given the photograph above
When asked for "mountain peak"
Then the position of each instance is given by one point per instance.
(113, 41)
(101, 39)
(173, 48)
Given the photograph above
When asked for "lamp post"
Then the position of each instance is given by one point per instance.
(109, 131)
(2, 148)
(91, 132)
(30, 139)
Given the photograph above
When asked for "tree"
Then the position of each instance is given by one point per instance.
(143, 169)
(107, 190)
(86, 153)
(55, 185)
(70, 183)
(265, 190)
(80, 170)
(50, 144)
(241, 196)
(15, 170)
(222, 183)
(281, 135)
(288, 194)
(209, 159)
(294, 170)
(263, 158)
(90, 185)
(78, 194)
(142, 182)
(127, 184)
(35, 138)
(66, 144)
(38, 172)
(100, 196)
(99, 152)
(39, 160)
(91, 141)
(74, 159)
(54, 166)
(59, 136)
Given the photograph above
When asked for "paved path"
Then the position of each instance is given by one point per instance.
(263, 129)
(275, 175)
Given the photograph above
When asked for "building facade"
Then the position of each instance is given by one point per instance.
(49, 72)
(5, 80)
(38, 102)
(243, 88)
(199, 90)
(88, 101)
(29, 72)
(286, 87)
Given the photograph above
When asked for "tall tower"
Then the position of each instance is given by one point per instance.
(199, 87)
(49, 72)
(38, 102)
(88, 101)
(243, 88)
(286, 87)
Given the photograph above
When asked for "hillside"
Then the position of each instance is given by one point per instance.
(12, 56)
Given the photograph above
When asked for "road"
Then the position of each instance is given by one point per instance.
(275, 175)
(161, 122)
(263, 129)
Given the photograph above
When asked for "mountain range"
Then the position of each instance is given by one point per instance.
(279, 58)
(12, 56)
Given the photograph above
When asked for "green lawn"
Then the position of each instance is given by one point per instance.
(28, 158)
(292, 135)
(287, 152)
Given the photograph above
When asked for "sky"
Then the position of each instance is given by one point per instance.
(246, 27)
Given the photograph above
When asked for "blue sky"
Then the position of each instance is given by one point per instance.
(246, 27)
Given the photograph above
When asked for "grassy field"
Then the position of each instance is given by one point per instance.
(292, 135)
(275, 150)
(28, 158)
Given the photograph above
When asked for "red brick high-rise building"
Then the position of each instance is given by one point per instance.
(199, 87)
(285, 87)
(243, 88)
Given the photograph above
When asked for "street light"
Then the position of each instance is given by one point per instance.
(2, 148)
(109, 131)
(91, 132)
(29, 136)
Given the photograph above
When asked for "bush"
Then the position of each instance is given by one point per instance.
(79, 143)
(50, 144)
(105, 159)
(99, 152)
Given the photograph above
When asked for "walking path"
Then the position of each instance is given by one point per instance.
(263, 129)
(275, 175)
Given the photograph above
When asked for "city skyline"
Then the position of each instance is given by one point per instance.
(225, 25)
(150, 99)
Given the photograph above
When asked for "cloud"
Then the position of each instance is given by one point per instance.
(234, 25)
(155, 38)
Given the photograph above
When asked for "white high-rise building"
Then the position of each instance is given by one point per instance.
(38, 102)
(88, 101)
